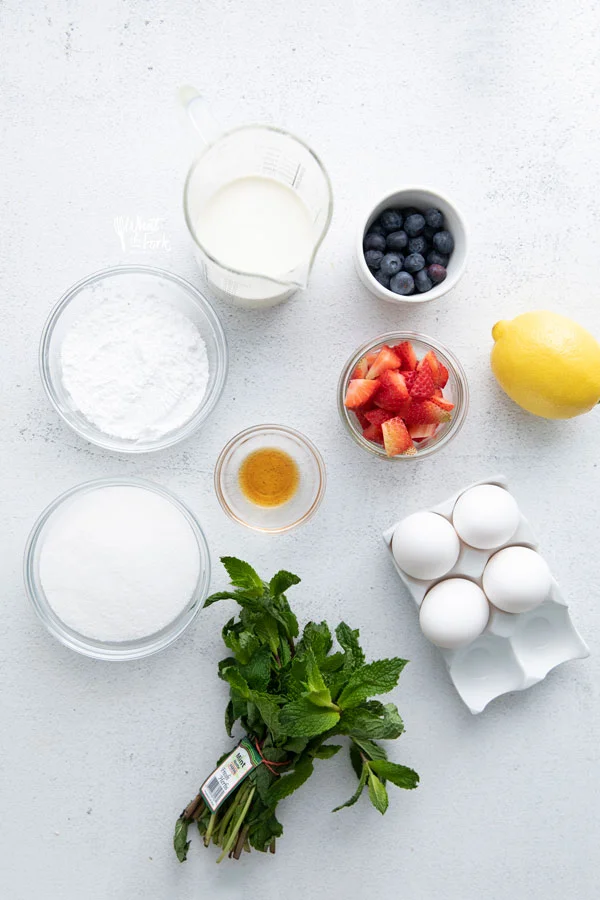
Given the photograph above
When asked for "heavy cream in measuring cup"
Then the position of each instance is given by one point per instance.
(258, 225)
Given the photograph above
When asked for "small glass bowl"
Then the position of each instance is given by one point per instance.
(456, 390)
(270, 519)
(111, 650)
(82, 297)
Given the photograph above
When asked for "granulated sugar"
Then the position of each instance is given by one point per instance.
(136, 367)
(119, 562)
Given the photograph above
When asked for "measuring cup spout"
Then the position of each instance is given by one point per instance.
(199, 114)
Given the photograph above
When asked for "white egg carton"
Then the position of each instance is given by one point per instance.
(515, 650)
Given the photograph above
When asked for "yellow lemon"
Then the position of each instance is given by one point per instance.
(548, 364)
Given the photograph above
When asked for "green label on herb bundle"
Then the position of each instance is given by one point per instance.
(230, 774)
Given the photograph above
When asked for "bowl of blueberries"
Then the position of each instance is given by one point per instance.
(412, 248)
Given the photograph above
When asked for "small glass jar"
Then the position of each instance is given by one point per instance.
(456, 390)
(270, 519)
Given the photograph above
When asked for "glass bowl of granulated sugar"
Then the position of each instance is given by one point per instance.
(133, 358)
(117, 568)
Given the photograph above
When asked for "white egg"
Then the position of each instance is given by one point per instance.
(486, 516)
(517, 579)
(453, 613)
(425, 545)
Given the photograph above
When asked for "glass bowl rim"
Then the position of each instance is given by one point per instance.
(116, 651)
(255, 430)
(108, 442)
(388, 337)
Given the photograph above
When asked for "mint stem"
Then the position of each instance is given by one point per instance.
(236, 828)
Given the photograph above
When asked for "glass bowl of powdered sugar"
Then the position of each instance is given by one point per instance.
(117, 568)
(133, 358)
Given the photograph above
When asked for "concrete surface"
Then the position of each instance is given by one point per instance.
(494, 103)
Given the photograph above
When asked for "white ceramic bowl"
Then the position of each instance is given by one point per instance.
(422, 198)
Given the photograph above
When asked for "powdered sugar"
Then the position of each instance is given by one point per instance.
(119, 562)
(136, 367)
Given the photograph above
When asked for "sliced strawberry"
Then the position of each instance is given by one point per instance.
(409, 378)
(373, 433)
(442, 403)
(423, 386)
(407, 356)
(362, 367)
(359, 392)
(393, 392)
(396, 438)
(378, 416)
(371, 357)
(420, 432)
(425, 413)
(431, 360)
(386, 359)
(437, 393)
(362, 418)
(442, 375)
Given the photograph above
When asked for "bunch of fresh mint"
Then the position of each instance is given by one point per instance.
(291, 696)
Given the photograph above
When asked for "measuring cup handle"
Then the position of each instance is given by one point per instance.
(199, 114)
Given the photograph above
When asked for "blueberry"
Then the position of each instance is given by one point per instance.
(436, 273)
(414, 225)
(402, 283)
(377, 228)
(414, 262)
(444, 242)
(391, 263)
(391, 220)
(374, 241)
(437, 259)
(418, 245)
(397, 240)
(434, 218)
(409, 211)
(373, 258)
(381, 278)
(423, 282)
(429, 232)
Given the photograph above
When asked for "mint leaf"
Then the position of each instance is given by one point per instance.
(378, 794)
(401, 776)
(281, 581)
(220, 595)
(229, 718)
(348, 641)
(290, 782)
(243, 644)
(370, 748)
(257, 671)
(268, 710)
(358, 792)
(243, 575)
(296, 745)
(375, 678)
(235, 680)
(356, 759)
(314, 679)
(363, 723)
(301, 718)
(326, 751)
(180, 842)
(317, 637)
(331, 663)
(264, 829)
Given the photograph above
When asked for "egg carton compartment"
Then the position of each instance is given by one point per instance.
(516, 650)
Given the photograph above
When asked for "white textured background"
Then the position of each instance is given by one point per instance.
(496, 104)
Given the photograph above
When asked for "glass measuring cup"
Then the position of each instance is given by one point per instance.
(250, 152)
